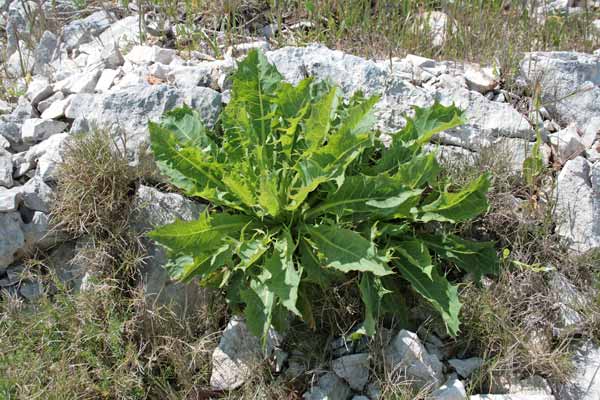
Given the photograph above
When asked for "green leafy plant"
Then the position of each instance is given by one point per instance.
(303, 194)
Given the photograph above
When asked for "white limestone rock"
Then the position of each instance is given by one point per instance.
(84, 30)
(38, 129)
(569, 83)
(239, 353)
(407, 356)
(567, 143)
(6, 168)
(57, 109)
(150, 54)
(44, 104)
(329, 387)
(453, 389)
(39, 89)
(37, 195)
(479, 79)
(354, 369)
(435, 23)
(45, 52)
(82, 82)
(577, 208)
(349, 72)
(129, 110)
(466, 367)
(585, 384)
(11, 237)
(153, 208)
(10, 199)
(123, 32)
(47, 155)
(106, 80)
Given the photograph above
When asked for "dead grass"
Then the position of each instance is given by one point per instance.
(489, 32)
(94, 188)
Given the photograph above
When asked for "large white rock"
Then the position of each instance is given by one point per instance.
(127, 111)
(569, 83)
(329, 387)
(36, 195)
(150, 54)
(435, 23)
(106, 80)
(354, 369)
(124, 32)
(82, 82)
(466, 367)
(479, 79)
(45, 52)
(486, 119)
(153, 208)
(408, 357)
(84, 30)
(238, 355)
(37, 129)
(47, 155)
(39, 89)
(202, 74)
(349, 72)
(44, 104)
(567, 143)
(102, 55)
(585, 384)
(6, 168)
(56, 109)
(453, 389)
(577, 210)
(11, 237)
(10, 199)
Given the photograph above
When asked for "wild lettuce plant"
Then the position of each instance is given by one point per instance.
(301, 193)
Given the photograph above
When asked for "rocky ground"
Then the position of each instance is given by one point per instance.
(96, 74)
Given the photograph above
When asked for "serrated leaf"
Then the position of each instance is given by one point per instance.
(459, 206)
(285, 278)
(371, 293)
(429, 121)
(318, 123)
(186, 124)
(253, 89)
(478, 258)
(259, 308)
(368, 196)
(415, 265)
(312, 266)
(200, 236)
(346, 250)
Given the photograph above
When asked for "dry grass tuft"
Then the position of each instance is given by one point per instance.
(95, 184)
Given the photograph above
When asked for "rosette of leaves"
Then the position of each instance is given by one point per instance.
(302, 193)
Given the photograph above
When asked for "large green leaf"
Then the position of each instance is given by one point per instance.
(254, 85)
(186, 124)
(415, 265)
(203, 235)
(363, 196)
(478, 258)
(346, 250)
(418, 131)
(371, 293)
(459, 206)
(318, 123)
(260, 302)
(314, 272)
(285, 278)
(429, 121)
